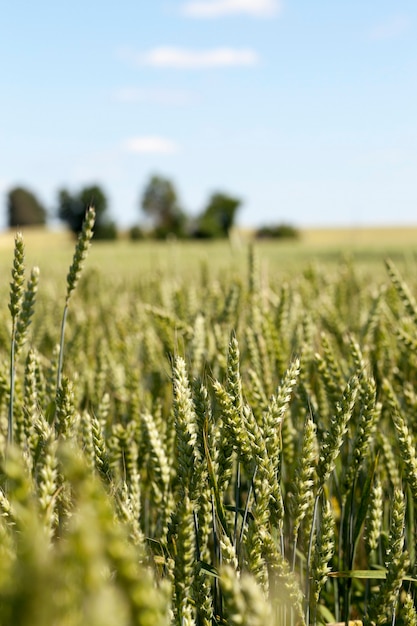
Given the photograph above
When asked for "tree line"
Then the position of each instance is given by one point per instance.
(159, 204)
(160, 208)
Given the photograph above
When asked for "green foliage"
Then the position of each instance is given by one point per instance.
(72, 209)
(280, 231)
(24, 209)
(136, 233)
(222, 449)
(218, 217)
(106, 230)
(160, 203)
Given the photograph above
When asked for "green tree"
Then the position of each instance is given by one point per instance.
(160, 203)
(218, 217)
(24, 209)
(278, 231)
(72, 208)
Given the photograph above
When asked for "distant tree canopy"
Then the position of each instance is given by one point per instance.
(24, 209)
(218, 217)
(160, 203)
(72, 208)
(279, 231)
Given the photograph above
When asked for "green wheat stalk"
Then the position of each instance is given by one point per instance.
(405, 440)
(383, 606)
(74, 273)
(303, 493)
(15, 307)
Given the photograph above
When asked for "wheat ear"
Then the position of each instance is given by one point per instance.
(15, 307)
(80, 254)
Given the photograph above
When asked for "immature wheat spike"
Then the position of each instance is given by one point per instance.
(205, 437)
(20, 429)
(223, 454)
(383, 604)
(254, 354)
(249, 442)
(229, 315)
(7, 550)
(202, 593)
(74, 273)
(101, 457)
(410, 397)
(15, 307)
(275, 415)
(409, 613)
(405, 440)
(30, 391)
(155, 440)
(255, 393)
(47, 475)
(27, 310)
(370, 412)
(244, 602)
(184, 558)
(94, 528)
(338, 428)
(290, 441)
(257, 529)
(323, 552)
(329, 370)
(304, 478)
(18, 277)
(374, 315)
(390, 459)
(128, 504)
(221, 347)
(65, 409)
(373, 525)
(253, 277)
(408, 340)
(276, 343)
(403, 290)
(134, 495)
(19, 488)
(168, 322)
(198, 343)
(87, 439)
(115, 443)
(234, 382)
(80, 254)
(28, 598)
(264, 360)
(185, 425)
(5, 507)
(359, 365)
(43, 430)
(284, 587)
(204, 417)
(159, 464)
(228, 551)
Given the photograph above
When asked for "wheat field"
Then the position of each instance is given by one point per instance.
(199, 435)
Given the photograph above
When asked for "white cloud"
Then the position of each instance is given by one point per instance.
(181, 58)
(150, 145)
(220, 8)
(169, 97)
(391, 28)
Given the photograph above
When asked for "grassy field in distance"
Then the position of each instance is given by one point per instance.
(367, 236)
(52, 251)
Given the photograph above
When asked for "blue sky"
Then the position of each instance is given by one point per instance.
(305, 110)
